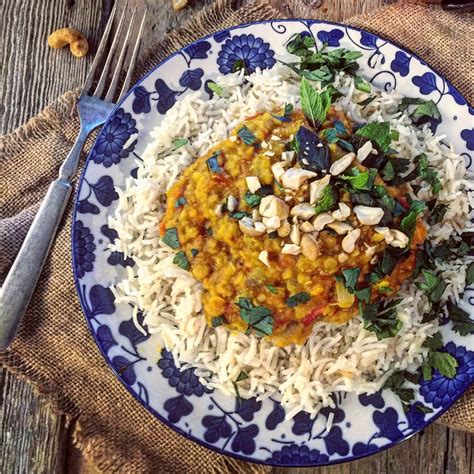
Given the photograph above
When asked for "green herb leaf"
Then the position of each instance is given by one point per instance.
(288, 109)
(366, 102)
(239, 215)
(424, 111)
(247, 136)
(360, 180)
(194, 252)
(216, 88)
(437, 214)
(363, 294)
(470, 274)
(315, 105)
(253, 200)
(213, 163)
(330, 135)
(434, 343)
(462, 323)
(181, 260)
(171, 238)
(432, 285)
(258, 318)
(181, 201)
(241, 376)
(388, 171)
(328, 200)
(361, 85)
(299, 298)
(395, 135)
(396, 383)
(271, 289)
(379, 132)
(218, 321)
(428, 174)
(381, 318)
(179, 142)
(349, 277)
(408, 222)
(444, 362)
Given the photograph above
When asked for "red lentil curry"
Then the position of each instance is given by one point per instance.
(257, 275)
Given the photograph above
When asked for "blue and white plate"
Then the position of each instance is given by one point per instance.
(247, 429)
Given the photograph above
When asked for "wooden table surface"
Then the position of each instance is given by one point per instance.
(33, 438)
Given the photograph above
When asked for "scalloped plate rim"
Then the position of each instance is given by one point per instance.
(155, 413)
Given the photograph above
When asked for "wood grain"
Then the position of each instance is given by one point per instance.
(32, 438)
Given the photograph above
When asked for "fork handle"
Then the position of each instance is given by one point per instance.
(23, 276)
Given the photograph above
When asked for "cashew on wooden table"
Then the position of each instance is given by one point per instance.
(69, 36)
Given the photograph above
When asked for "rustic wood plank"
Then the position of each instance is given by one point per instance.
(32, 437)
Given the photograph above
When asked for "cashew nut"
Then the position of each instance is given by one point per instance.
(179, 4)
(69, 36)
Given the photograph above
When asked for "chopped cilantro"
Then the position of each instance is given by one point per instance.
(425, 110)
(388, 171)
(444, 362)
(379, 132)
(216, 88)
(241, 376)
(428, 174)
(366, 102)
(361, 85)
(363, 294)
(253, 200)
(258, 318)
(181, 260)
(349, 277)
(213, 163)
(330, 135)
(381, 318)
(299, 298)
(360, 180)
(179, 142)
(432, 285)
(315, 105)
(396, 383)
(271, 289)
(239, 215)
(288, 109)
(345, 145)
(437, 214)
(462, 323)
(218, 321)
(171, 238)
(181, 201)
(408, 222)
(247, 136)
(328, 200)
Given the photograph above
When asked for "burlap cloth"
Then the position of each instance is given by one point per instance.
(54, 349)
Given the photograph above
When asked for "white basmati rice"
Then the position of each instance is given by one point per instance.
(336, 357)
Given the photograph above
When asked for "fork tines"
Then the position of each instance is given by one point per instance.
(120, 57)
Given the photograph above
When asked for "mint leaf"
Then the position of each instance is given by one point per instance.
(328, 200)
(379, 132)
(315, 105)
(444, 362)
(298, 298)
(408, 223)
(171, 238)
(241, 376)
(179, 142)
(271, 289)
(181, 260)
(213, 163)
(258, 318)
(462, 323)
(437, 214)
(381, 318)
(432, 285)
(218, 321)
(253, 200)
(247, 136)
(361, 85)
(349, 277)
(360, 180)
(216, 88)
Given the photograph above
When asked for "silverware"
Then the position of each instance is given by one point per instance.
(93, 108)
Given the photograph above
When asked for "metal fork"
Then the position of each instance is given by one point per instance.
(93, 108)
